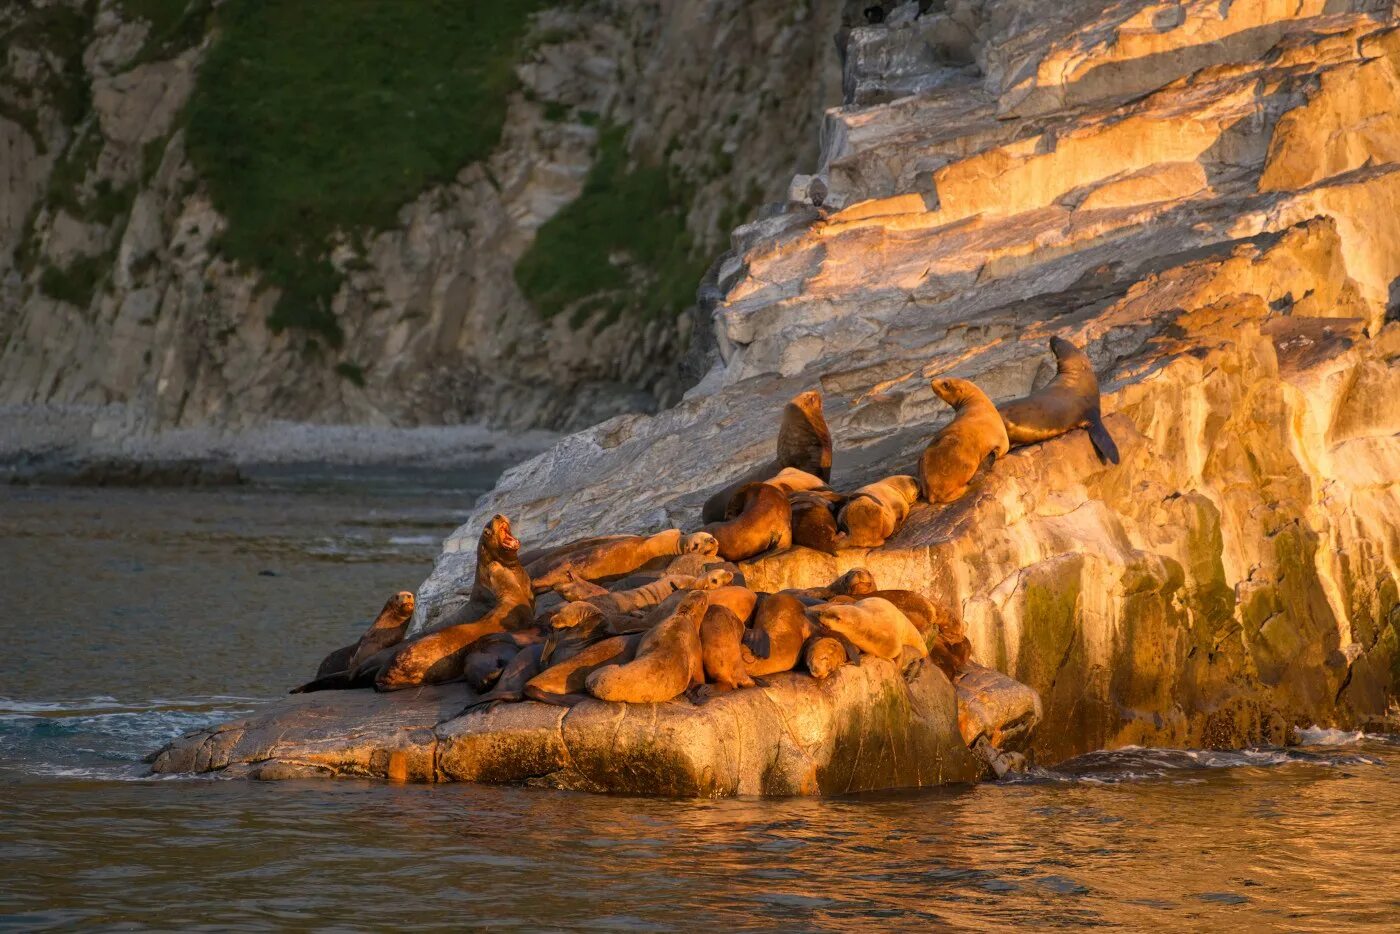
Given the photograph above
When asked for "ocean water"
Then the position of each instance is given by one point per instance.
(130, 617)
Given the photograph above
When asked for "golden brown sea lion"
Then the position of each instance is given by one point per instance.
(616, 557)
(721, 648)
(1067, 402)
(857, 582)
(953, 456)
(386, 630)
(940, 626)
(668, 660)
(563, 683)
(873, 625)
(738, 600)
(821, 655)
(510, 686)
(780, 627)
(795, 480)
(876, 511)
(535, 555)
(500, 581)
(764, 524)
(618, 602)
(804, 442)
(814, 522)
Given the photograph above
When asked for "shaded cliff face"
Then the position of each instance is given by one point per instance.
(147, 261)
(1205, 197)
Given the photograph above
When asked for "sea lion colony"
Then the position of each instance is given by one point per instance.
(647, 618)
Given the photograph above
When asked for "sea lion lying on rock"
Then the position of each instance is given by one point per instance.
(780, 627)
(804, 442)
(941, 627)
(874, 626)
(763, 524)
(620, 602)
(562, 683)
(876, 511)
(490, 655)
(667, 661)
(738, 600)
(387, 630)
(976, 433)
(822, 655)
(510, 685)
(721, 650)
(1067, 402)
(616, 557)
(572, 627)
(857, 582)
(814, 522)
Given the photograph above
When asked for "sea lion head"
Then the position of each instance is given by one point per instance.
(497, 539)
(824, 615)
(956, 392)
(809, 402)
(401, 604)
(572, 615)
(483, 670)
(716, 578)
(1068, 356)
(699, 543)
(693, 605)
(857, 582)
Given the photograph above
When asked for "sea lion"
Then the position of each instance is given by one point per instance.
(535, 555)
(619, 602)
(804, 442)
(953, 456)
(738, 600)
(790, 480)
(821, 655)
(873, 625)
(857, 582)
(570, 628)
(500, 581)
(511, 683)
(485, 661)
(780, 627)
(814, 522)
(387, 629)
(616, 557)
(721, 650)
(876, 511)
(668, 660)
(764, 524)
(562, 683)
(1067, 402)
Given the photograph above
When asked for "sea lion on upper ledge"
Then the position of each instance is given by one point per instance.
(387, 630)
(953, 456)
(875, 512)
(667, 661)
(1067, 402)
(616, 557)
(814, 521)
(764, 524)
(804, 442)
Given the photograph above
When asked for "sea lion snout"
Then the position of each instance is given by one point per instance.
(1060, 347)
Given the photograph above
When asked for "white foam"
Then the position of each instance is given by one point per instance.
(1323, 736)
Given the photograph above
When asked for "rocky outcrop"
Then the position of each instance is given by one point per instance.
(115, 291)
(861, 729)
(1204, 196)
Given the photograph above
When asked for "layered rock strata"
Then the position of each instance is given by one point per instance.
(1204, 196)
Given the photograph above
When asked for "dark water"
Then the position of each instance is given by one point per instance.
(131, 616)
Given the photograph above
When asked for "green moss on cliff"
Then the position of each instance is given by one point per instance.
(305, 123)
(621, 246)
(175, 25)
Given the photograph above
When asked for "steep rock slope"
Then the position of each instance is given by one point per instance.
(1206, 197)
(116, 290)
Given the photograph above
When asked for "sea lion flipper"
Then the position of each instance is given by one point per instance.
(1103, 441)
(339, 681)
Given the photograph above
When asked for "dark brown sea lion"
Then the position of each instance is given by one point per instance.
(490, 655)
(873, 625)
(814, 522)
(721, 648)
(857, 582)
(1067, 402)
(510, 685)
(804, 442)
(953, 456)
(501, 599)
(386, 630)
(780, 627)
(572, 627)
(763, 524)
(616, 557)
(821, 655)
(668, 660)
(563, 683)
(876, 511)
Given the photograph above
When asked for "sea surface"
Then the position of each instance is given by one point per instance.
(131, 616)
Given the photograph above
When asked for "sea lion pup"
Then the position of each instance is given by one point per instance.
(387, 629)
(501, 599)
(814, 522)
(667, 661)
(874, 626)
(780, 627)
(976, 432)
(804, 442)
(876, 511)
(721, 646)
(1067, 402)
(763, 524)
(616, 557)
(562, 683)
(510, 685)
(821, 655)
(857, 582)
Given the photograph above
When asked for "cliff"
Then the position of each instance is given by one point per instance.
(1204, 196)
(221, 214)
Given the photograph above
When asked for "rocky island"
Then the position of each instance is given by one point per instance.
(1203, 196)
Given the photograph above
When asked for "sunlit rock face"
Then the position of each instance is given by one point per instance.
(1204, 196)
